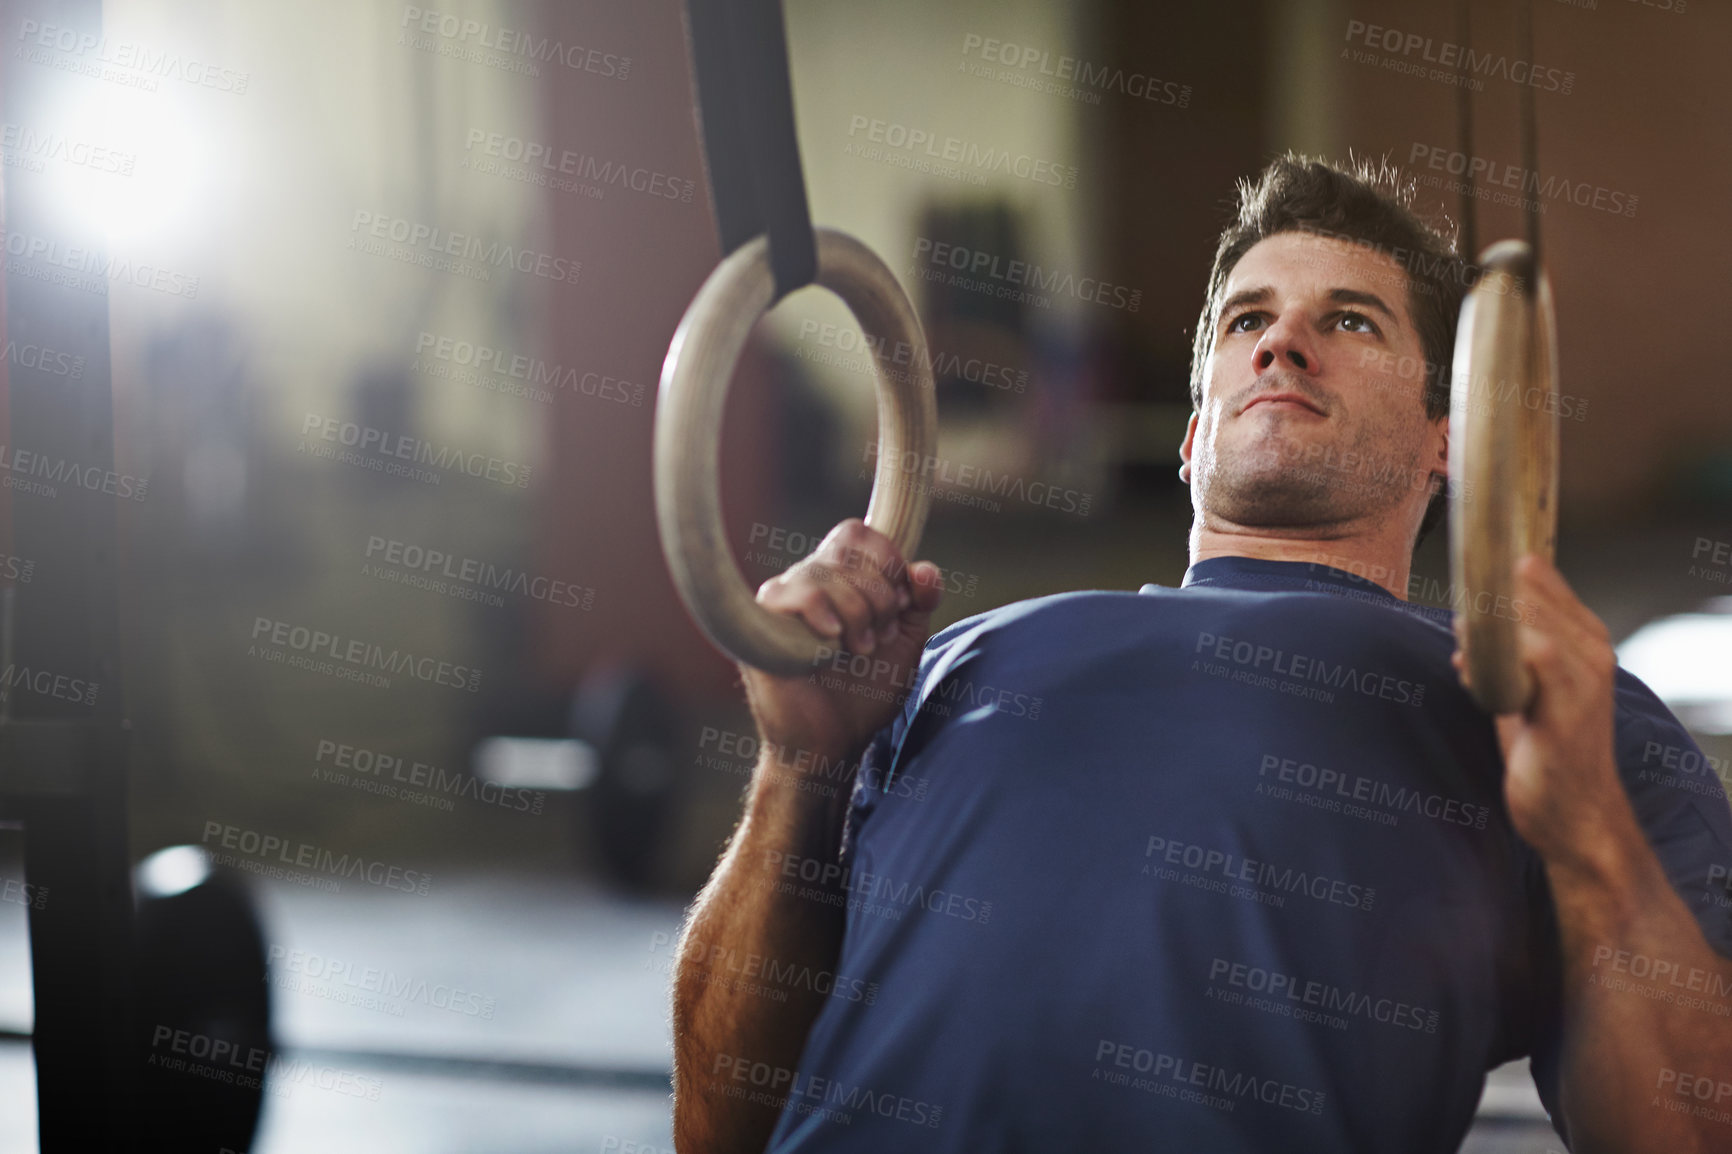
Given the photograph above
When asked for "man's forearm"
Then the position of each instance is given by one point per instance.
(760, 945)
(1646, 1006)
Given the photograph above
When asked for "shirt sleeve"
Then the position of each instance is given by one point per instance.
(1678, 797)
(883, 755)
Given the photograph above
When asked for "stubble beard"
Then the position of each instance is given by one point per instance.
(1281, 481)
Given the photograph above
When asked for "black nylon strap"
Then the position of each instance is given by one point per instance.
(1469, 236)
(1530, 132)
(751, 155)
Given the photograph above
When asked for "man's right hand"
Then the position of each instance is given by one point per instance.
(857, 594)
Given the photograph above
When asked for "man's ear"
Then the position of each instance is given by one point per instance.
(1185, 448)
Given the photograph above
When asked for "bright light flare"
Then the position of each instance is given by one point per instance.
(124, 168)
(1686, 660)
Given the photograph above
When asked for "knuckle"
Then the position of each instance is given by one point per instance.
(774, 591)
(851, 529)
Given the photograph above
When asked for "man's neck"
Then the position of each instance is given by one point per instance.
(1383, 558)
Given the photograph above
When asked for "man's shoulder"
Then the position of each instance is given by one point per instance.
(1032, 607)
(1430, 621)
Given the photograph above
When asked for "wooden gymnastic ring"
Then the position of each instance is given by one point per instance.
(694, 387)
(1503, 463)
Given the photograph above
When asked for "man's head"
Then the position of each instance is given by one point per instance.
(1326, 287)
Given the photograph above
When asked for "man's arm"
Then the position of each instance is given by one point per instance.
(745, 921)
(1634, 1052)
(1647, 1060)
(775, 904)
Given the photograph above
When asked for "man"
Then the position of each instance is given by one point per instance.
(1238, 866)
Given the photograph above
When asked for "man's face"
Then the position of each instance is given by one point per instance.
(1313, 412)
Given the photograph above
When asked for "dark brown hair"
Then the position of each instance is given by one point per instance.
(1364, 204)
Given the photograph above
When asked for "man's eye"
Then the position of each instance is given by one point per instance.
(1233, 325)
(1359, 321)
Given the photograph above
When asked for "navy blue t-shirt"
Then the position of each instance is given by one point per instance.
(1218, 868)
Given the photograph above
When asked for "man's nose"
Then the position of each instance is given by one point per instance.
(1286, 344)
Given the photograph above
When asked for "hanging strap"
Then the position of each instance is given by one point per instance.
(1530, 132)
(1464, 136)
(1527, 125)
(746, 111)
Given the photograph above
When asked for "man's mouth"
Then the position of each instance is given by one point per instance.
(1283, 401)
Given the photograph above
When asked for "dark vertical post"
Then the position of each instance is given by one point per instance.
(62, 767)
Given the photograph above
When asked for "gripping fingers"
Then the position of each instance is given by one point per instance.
(870, 564)
(856, 613)
(805, 599)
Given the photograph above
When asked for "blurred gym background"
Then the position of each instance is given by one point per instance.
(548, 780)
